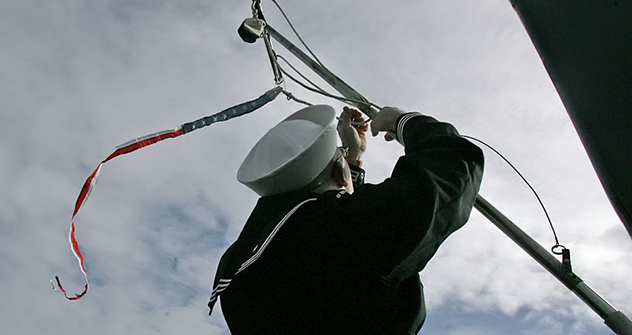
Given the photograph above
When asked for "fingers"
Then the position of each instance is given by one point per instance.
(374, 129)
(345, 130)
(355, 115)
(386, 120)
(352, 135)
(345, 117)
(353, 118)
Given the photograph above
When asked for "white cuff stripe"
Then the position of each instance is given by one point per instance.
(400, 125)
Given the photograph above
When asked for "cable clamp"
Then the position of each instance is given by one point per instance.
(273, 93)
(566, 257)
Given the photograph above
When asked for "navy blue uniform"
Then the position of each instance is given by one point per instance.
(339, 263)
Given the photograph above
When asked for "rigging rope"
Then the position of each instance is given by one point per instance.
(546, 213)
(315, 88)
(287, 19)
(274, 58)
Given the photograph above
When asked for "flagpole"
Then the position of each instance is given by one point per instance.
(613, 318)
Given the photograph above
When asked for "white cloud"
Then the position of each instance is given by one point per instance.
(83, 77)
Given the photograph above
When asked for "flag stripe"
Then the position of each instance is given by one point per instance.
(141, 142)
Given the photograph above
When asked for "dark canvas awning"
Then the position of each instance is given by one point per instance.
(586, 47)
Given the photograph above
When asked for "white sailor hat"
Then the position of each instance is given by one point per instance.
(291, 154)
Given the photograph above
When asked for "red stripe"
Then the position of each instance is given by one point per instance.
(77, 296)
(75, 247)
(143, 143)
(79, 256)
(85, 193)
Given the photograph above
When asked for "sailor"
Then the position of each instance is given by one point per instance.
(320, 255)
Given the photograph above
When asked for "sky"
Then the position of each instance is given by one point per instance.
(80, 77)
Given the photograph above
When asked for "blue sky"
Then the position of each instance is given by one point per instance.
(81, 77)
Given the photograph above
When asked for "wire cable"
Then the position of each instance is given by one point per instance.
(557, 242)
(300, 74)
(297, 34)
(327, 94)
(315, 87)
(291, 96)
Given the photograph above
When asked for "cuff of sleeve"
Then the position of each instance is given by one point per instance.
(401, 122)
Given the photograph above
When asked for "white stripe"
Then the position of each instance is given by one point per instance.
(270, 237)
(92, 183)
(218, 290)
(142, 138)
(401, 123)
(223, 283)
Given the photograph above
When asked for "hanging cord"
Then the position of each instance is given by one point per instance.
(557, 245)
(314, 88)
(297, 34)
(564, 251)
(291, 96)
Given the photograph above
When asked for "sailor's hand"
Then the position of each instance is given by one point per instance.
(352, 131)
(386, 120)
